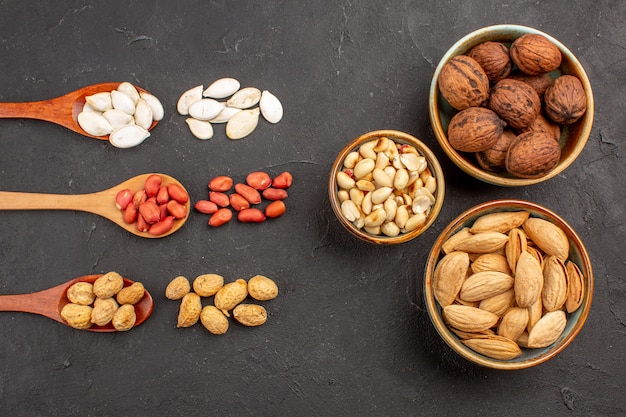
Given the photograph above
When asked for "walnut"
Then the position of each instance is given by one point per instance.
(539, 82)
(566, 100)
(516, 102)
(474, 129)
(494, 59)
(532, 155)
(493, 159)
(541, 124)
(535, 54)
(463, 83)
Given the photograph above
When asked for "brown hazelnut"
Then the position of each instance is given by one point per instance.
(535, 54)
(565, 100)
(493, 159)
(494, 59)
(532, 155)
(474, 129)
(516, 102)
(463, 83)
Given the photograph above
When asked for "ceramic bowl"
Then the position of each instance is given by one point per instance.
(575, 320)
(573, 137)
(399, 138)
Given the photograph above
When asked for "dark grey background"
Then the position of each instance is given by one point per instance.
(348, 334)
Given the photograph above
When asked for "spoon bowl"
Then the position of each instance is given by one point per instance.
(51, 301)
(101, 203)
(63, 110)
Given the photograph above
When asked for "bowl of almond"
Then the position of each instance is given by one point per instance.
(508, 284)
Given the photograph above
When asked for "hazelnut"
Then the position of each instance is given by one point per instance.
(474, 129)
(532, 155)
(516, 102)
(566, 100)
(463, 83)
(535, 54)
(494, 59)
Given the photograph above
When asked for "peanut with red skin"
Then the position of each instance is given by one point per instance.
(258, 180)
(141, 225)
(123, 199)
(164, 211)
(162, 196)
(130, 214)
(162, 226)
(152, 185)
(274, 194)
(221, 183)
(205, 206)
(177, 193)
(275, 209)
(177, 210)
(283, 180)
(237, 202)
(251, 215)
(249, 193)
(220, 217)
(139, 197)
(219, 198)
(150, 211)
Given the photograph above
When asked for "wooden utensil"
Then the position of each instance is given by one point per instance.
(101, 203)
(50, 302)
(62, 110)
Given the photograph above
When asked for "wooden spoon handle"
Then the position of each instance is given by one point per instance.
(44, 303)
(10, 200)
(48, 110)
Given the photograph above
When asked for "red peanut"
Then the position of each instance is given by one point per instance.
(162, 196)
(139, 197)
(150, 212)
(162, 226)
(123, 199)
(251, 215)
(258, 180)
(221, 183)
(130, 214)
(218, 198)
(163, 210)
(152, 185)
(283, 180)
(220, 217)
(177, 193)
(275, 209)
(179, 211)
(141, 224)
(205, 206)
(238, 202)
(248, 193)
(274, 194)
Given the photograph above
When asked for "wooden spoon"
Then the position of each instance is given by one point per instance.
(50, 302)
(62, 110)
(101, 203)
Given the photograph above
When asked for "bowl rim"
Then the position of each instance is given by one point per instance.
(434, 310)
(433, 164)
(461, 47)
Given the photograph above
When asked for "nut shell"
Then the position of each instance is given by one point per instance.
(566, 100)
(463, 83)
(535, 54)
(539, 82)
(532, 155)
(474, 129)
(493, 159)
(516, 102)
(494, 59)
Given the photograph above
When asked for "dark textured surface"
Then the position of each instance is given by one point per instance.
(348, 334)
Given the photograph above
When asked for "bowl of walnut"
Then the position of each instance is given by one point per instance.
(508, 284)
(511, 105)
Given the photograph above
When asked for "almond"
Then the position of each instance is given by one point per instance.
(449, 276)
(496, 347)
(547, 330)
(469, 319)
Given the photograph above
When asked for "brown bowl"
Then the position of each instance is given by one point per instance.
(399, 138)
(575, 320)
(573, 137)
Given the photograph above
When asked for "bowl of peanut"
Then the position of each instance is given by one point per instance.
(386, 187)
(508, 284)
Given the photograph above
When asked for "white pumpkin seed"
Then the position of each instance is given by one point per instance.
(225, 114)
(143, 114)
(245, 98)
(128, 136)
(155, 104)
(243, 123)
(118, 118)
(123, 102)
(201, 129)
(205, 109)
(95, 124)
(130, 90)
(87, 108)
(188, 98)
(271, 108)
(222, 88)
(100, 101)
